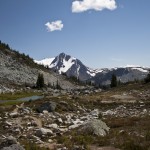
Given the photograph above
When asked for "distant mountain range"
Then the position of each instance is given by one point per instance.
(71, 66)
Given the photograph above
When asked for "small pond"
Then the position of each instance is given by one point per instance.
(31, 98)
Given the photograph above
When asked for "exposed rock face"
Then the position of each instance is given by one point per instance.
(14, 71)
(96, 127)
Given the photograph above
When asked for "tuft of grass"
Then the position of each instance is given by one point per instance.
(130, 145)
(33, 146)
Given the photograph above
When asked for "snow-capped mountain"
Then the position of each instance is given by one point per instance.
(45, 62)
(124, 74)
(71, 66)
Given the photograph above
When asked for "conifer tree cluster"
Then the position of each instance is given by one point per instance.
(40, 81)
(147, 79)
(113, 81)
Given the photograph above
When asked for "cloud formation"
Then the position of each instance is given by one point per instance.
(54, 26)
(97, 5)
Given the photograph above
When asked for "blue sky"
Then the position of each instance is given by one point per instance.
(100, 35)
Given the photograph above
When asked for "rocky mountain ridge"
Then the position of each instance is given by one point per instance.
(71, 66)
(20, 70)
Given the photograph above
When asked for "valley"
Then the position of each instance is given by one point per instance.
(64, 121)
(44, 108)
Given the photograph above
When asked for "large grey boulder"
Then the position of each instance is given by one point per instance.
(10, 143)
(48, 106)
(13, 147)
(96, 127)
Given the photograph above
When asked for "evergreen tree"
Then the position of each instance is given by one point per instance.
(58, 85)
(147, 79)
(40, 81)
(113, 81)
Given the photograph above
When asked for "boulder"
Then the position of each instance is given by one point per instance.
(42, 132)
(10, 143)
(54, 126)
(13, 147)
(96, 127)
(48, 106)
(11, 140)
(14, 114)
(95, 113)
(74, 126)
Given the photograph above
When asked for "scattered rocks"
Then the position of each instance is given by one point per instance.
(122, 111)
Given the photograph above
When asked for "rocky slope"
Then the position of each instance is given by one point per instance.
(19, 69)
(96, 121)
(66, 64)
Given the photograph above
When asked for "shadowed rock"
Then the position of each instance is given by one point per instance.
(48, 106)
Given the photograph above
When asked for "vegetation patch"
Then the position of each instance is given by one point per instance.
(17, 95)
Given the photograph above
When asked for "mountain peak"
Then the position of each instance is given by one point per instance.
(62, 54)
(71, 66)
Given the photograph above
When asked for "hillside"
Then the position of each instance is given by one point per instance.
(20, 70)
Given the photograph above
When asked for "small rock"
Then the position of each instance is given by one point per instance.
(13, 114)
(8, 123)
(95, 113)
(45, 112)
(63, 129)
(60, 120)
(55, 126)
(50, 140)
(74, 126)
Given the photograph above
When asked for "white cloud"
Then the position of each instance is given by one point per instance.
(53, 26)
(98, 5)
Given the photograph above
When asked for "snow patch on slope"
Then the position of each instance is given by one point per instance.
(67, 64)
(140, 69)
(45, 62)
(93, 72)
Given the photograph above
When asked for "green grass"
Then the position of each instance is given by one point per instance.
(17, 95)
(11, 103)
